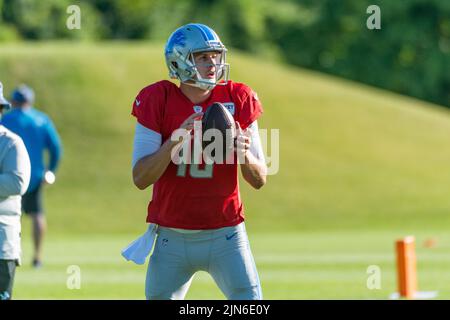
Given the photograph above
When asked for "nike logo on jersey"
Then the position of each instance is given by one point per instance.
(230, 237)
(137, 103)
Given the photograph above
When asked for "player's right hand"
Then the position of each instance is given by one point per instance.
(188, 124)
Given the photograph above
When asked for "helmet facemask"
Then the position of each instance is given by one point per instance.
(221, 70)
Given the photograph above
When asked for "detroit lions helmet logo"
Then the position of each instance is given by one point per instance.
(177, 39)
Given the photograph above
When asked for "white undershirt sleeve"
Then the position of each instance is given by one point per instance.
(146, 141)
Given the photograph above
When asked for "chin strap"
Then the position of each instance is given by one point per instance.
(204, 86)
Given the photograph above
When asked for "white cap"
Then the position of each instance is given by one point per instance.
(23, 93)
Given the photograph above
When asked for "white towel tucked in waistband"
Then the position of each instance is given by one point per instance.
(139, 249)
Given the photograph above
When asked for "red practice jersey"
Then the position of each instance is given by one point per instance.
(194, 196)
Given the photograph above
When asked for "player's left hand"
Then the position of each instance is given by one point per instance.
(243, 140)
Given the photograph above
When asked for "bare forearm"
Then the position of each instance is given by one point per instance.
(254, 171)
(150, 168)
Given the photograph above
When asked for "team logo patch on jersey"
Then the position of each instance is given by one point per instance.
(229, 106)
(198, 109)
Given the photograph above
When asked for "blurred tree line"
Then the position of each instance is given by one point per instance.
(410, 54)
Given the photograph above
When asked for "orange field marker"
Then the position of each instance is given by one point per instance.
(406, 267)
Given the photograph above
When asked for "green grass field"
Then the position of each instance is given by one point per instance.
(359, 168)
(310, 265)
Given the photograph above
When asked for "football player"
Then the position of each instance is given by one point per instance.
(197, 208)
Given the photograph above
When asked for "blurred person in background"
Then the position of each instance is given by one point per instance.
(14, 178)
(39, 135)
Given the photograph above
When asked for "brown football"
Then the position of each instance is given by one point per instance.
(218, 117)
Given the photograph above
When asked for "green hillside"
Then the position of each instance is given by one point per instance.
(351, 157)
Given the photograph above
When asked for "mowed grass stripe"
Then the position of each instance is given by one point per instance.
(290, 274)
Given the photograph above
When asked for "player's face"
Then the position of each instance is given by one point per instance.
(206, 63)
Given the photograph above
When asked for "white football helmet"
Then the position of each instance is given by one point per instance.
(179, 53)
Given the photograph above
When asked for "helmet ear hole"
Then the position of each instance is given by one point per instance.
(175, 64)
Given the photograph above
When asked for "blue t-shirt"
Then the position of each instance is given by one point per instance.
(38, 134)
